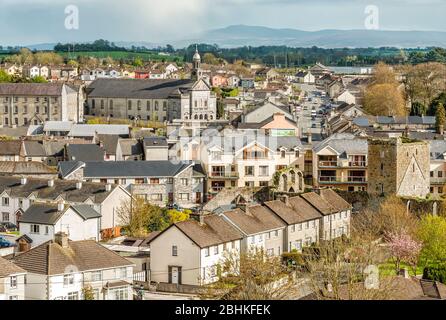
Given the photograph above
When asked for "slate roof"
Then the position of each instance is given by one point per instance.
(297, 211)
(7, 268)
(124, 169)
(10, 147)
(86, 211)
(90, 130)
(31, 89)
(34, 149)
(24, 167)
(335, 200)
(84, 152)
(130, 147)
(155, 142)
(64, 188)
(255, 219)
(137, 88)
(58, 126)
(42, 213)
(50, 258)
(319, 203)
(214, 231)
(109, 142)
(344, 144)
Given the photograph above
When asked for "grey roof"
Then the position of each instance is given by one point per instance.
(42, 213)
(361, 121)
(85, 152)
(437, 149)
(124, 169)
(135, 88)
(34, 149)
(86, 211)
(58, 126)
(31, 89)
(130, 147)
(109, 142)
(25, 167)
(155, 142)
(90, 130)
(387, 120)
(10, 147)
(344, 144)
(65, 189)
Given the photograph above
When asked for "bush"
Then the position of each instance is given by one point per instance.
(435, 274)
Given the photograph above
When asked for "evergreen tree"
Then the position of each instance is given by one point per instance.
(440, 118)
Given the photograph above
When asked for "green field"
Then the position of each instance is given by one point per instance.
(116, 55)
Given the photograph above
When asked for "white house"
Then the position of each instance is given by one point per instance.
(345, 96)
(18, 194)
(191, 252)
(62, 269)
(12, 281)
(42, 221)
(305, 77)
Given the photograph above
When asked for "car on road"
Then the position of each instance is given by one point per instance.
(5, 243)
(9, 226)
(313, 125)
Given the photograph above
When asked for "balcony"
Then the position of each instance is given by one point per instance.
(437, 180)
(224, 174)
(356, 164)
(333, 179)
(328, 164)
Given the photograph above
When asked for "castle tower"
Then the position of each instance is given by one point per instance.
(196, 65)
(399, 166)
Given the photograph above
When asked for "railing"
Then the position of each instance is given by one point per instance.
(438, 180)
(328, 163)
(140, 276)
(357, 164)
(222, 174)
(333, 179)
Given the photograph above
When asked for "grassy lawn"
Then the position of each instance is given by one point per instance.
(116, 55)
(388, 269)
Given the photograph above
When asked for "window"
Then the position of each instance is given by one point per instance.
(296, 154)
(165, 106)
(119, 294)
(169, 180)
(73, 296)
(298, 244)
(96, 276)
(35, 229)
(47, 230)
(263, 183)
(307, 225)
(440, 174)
(148, 105)
(268, 235)
(270, 252)
(37, 109)
(174, 251)
(259, 238)
(215, 250)
(184, 181)
(154, 181)
(13, 282)
(276, 233)
(139, 180)
(6, 109)
(13, 297)
(111, 104)
(157, 197)
(299, 227)
(293, 228)
(5, 201)
(249, 170)
(432, 174)
(121, 273)
(184, 196)
(282, 154)
(249, 184)
(5, 216)
(312, 224)
(68, 279)
(129, 105)
(206, 252)
(6, 121)
(264, 171)
(16, 110)
(252, 240)
(308, 241)
(156, 105)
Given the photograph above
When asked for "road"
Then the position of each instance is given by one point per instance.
(304, 114)
(167, 296)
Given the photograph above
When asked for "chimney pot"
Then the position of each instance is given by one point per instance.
(78, 185)
(285, 199)
(51, 183)
(201, 217)
(108, 187)
(23, 181)
(60, 206)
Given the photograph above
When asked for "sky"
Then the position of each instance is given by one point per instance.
(26, 22)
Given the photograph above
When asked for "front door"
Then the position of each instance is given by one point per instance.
(175, 275)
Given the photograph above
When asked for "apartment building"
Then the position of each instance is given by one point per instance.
(341, 161)
(244, 161)
(23, 104)
(437, 166)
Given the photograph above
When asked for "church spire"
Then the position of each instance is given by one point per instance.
(196, 72)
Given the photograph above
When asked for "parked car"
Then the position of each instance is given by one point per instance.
(5, 243)
(9, 226)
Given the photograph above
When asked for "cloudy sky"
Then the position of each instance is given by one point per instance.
(24, 22)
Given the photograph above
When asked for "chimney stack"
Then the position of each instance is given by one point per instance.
(285, 199)
(23, 181)
(61, 238)
(108, 187)
(60, 206)
(309, 137)
(51, 183)
(201, 217)
(79, 185)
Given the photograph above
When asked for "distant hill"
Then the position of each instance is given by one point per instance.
(241, 35)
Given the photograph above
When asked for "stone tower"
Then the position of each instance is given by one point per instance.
(196, 65)
(398, 166)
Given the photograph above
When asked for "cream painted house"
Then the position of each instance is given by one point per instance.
(12, 281)
(190, 252)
